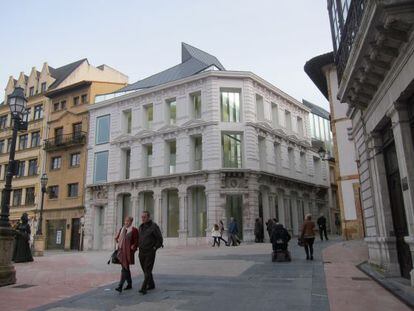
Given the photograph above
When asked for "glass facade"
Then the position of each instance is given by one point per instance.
(234, 208)
(230, 106)
(232, 150)
(172, 214)
(199, 211)
(102, 129)
(101, 167)
(321, 130)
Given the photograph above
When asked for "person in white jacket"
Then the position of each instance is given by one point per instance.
(215, 233)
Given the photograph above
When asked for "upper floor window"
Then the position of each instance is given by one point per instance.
(73, 190)
(198, 152)
(58, 135)
(196, 105)
(303, 162)
(17, 197)
(102, 129)
(230, 106)
(77, 130)
(21, 168)
(43, 87)
(232, 152)
(127, 163)
(172, 156)
(288, 120)
(291, 158)
(75, 159)
(127, 121)
(259, 108)
(149, 115)
(76, 101)
(3, 122)
(2, 143)
(53, 192)
(299, 124)
(275, 115)
(38, 112)
(101, 167)
(26, 115)
(262, 153)
(84, 99)
(9, 141)
(172, 111)
(35, 139)
(32, 167)
(148, 160)
(30, 196)
(23, 139)
(31, 91)
(56, 163)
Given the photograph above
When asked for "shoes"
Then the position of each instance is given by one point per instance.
(151, 287)
(311, 258)
(128, 287)
(143, 291)
(119, 289)
(307, 257)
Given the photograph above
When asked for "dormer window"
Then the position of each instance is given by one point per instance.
(31, 91)
(43, 87)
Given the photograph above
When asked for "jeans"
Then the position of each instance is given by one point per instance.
(309, 246)
(216, 241)
(322, 232)
(147, 260)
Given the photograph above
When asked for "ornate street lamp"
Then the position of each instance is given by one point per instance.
(17, 103)
(43, 182)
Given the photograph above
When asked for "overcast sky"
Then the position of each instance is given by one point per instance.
(272, 38)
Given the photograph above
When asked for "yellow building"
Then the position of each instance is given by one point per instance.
(57, 125)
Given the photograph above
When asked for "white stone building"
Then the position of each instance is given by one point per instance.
(195, 144)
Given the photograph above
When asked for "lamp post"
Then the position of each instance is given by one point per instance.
(17, 103)
(39, 240)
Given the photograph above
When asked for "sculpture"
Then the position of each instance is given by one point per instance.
(22, 251)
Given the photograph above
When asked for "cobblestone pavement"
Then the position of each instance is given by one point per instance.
(228, 278)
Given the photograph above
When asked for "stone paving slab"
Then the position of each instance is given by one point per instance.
(248, 280)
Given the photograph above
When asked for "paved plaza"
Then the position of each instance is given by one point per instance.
(203, 278)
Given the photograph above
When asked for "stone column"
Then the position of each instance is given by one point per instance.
(158, 207)
(110, 220)
(134, 209)
(268, 203)
(281, 207)
(183, 218)
(295, 216)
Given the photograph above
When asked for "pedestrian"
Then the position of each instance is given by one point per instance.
(258, 230)
(338, 224)
(215, 233)
(233, 231)
(221, 229)
(308, 236)
(127, 239)
(322, 227)
(269, 226)
(150, 240)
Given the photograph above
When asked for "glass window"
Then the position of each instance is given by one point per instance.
(43, 87)
(303, 162)
(102, 129)
(198, 153)
(2, 143)
(21, 168)
(172, 111)
(77, 130)
(312, 127)
(84, 99)
(230, 106)
(127, 119)
(58, 135)
(127, 162)
(73, 190)
(275, 115)
(288, 120)
(322, 128)
(317, 131)
(199, 211)
(291, 155)
(101, 166)
(231, 144)
(75, 159)
(17, 197)
(23, 139)
(26, 116)
(278, 157)
(172, 146)
(35, 139)
(148, 160)
(172, 213)
(30, 196)
(38, 112)
(149, 202)
(259, 108)
(196, 102)
(32, 167)
(56, 163)
(76, 101)
(53, 192)
(9, 141)
(56, 106)
(31, 91)
(299, 124)
(149, 116)
(3, 122)
(262, 153)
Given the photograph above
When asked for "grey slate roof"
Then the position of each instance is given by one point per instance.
(63, 72)
(319, 111)
(193, 61)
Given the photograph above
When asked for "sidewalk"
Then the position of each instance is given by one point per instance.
(348, 287)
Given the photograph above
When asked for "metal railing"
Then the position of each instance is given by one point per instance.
(64, 141)
(350, 30)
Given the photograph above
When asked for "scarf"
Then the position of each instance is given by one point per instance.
(122, 236)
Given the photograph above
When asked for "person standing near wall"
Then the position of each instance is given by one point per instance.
(322, 227)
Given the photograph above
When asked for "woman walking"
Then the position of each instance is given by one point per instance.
(215, 233)
(221, 229)
(308, 236)
(127, 239)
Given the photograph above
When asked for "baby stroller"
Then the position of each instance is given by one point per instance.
(280, 238)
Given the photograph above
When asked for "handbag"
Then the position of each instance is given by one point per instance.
(301, 242)
(114, 258)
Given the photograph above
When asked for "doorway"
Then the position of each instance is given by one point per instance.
(56, 230)
(75, 234)
(397, 205)
(234, 208)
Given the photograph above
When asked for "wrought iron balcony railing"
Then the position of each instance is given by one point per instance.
(350, 30)
(65, 141)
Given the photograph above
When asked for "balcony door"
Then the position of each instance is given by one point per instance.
(58, 135)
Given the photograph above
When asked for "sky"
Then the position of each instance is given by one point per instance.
(272, 38)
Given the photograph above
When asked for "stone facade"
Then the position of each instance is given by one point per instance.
(280, 175)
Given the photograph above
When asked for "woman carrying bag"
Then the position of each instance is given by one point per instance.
(308, 236)
(127, 239)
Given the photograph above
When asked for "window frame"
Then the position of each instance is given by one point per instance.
(98, 120)
(106, 152)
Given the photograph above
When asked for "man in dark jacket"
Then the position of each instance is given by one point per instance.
(150, 239)
(233, 231)
(280, 237)
(322, 227)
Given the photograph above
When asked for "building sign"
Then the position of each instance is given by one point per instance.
(59, 237)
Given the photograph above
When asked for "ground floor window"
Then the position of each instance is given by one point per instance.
(172, 214)
(199, 212)
(234, 208)
(148, 198)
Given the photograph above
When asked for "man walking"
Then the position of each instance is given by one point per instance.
(150, 239)
(322, 227)
(233, 231)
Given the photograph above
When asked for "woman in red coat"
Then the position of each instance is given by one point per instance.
(127, 239)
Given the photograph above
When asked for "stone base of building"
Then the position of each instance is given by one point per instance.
(38, 245)
(7, 271)
(383, 253)
(352, 230)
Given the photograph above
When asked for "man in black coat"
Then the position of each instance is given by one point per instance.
(150, 239)
(322, 227)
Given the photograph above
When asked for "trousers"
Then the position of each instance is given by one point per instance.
(147, 260)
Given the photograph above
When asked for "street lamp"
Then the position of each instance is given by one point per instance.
(17, 103)
(43, 182)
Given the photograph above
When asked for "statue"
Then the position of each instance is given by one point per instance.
(22, 251)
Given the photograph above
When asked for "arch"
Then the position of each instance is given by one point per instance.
(124, 207)
(171, 212)
(146, 201)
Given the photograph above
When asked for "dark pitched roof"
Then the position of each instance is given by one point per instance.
(193, 61)
(61, 73)
(315, 109)
(313, 68)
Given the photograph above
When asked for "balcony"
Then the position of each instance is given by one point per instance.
(65, 141)
(373, 37)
